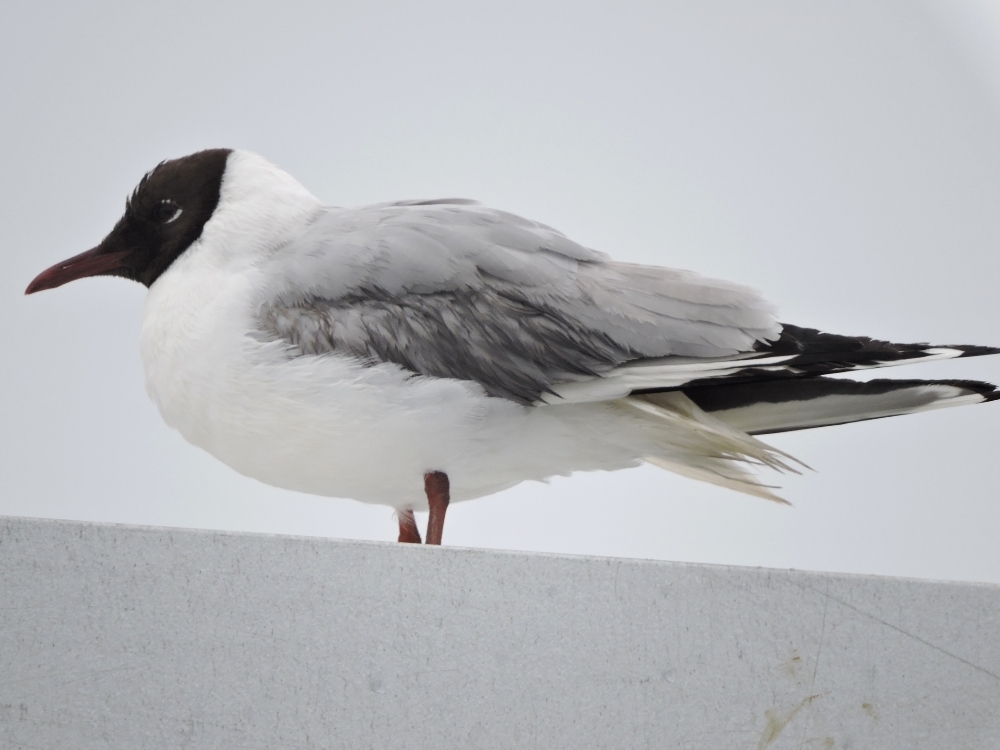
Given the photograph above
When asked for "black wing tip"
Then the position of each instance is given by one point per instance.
(971, 350)
(981, 387)
(858, 401)
(795, 339)
(718, 396)
(815, 352)
(988, 391)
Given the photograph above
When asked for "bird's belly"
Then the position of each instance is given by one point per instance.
(329, 426)
(325, 426)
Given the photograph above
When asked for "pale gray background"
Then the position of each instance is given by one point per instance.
(842, 157)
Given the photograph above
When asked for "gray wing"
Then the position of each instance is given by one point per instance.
(450, 289)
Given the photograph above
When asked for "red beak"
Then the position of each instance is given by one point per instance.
(91, 263)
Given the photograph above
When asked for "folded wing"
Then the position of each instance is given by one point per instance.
(452, 290)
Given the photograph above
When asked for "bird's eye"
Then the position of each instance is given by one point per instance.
(166, 211)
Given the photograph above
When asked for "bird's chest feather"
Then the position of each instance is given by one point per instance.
(194, 323)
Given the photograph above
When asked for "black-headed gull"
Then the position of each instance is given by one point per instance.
(418, 352)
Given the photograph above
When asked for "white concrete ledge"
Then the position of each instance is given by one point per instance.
(124, 637)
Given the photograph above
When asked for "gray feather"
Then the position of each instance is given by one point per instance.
(455, 290)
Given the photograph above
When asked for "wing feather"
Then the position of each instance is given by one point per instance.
(456, 290)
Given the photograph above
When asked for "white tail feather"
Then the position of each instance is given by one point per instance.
(699, 446)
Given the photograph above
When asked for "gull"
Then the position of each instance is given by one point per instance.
(422, 352)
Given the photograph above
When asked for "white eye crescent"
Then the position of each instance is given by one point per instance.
(167, 211)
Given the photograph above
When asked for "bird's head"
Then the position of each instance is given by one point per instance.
(163, 217)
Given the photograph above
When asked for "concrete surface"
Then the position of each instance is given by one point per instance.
(124, 637)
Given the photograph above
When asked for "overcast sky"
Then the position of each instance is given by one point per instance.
(841, 157)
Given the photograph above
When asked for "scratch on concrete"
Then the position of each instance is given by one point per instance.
(900, 630)
(822, 634)
(777, 722)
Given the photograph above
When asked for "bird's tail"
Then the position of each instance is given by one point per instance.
(697, 445)
(709, 430)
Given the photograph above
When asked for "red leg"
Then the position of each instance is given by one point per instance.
(438, 496)
(408, 531)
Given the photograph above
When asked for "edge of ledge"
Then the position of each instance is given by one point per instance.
(486, 551)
